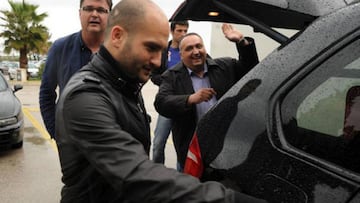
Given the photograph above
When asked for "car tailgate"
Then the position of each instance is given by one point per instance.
(290, 14)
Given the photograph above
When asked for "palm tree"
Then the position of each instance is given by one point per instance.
(23, 30)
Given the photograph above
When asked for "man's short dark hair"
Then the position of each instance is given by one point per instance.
(109, 2)
(189, 34)
(174, 23)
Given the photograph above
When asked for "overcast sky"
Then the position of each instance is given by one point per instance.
(63, 16)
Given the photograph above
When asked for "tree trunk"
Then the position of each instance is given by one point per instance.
(23, 61)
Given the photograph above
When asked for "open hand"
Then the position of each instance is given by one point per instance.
(230, 33)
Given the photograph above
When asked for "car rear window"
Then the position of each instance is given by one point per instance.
(319, 113)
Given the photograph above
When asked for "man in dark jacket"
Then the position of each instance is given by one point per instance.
(68, 54)
(102, 128)
(190, 88)
(169, 58)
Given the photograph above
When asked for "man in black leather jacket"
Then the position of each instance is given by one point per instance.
(102, 128)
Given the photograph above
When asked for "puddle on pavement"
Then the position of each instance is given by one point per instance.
(36, 140)
(32, 136)
(31, 130)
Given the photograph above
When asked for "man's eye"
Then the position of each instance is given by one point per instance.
(152, 48)
(102, 10)
(91, 9)
(199, 46)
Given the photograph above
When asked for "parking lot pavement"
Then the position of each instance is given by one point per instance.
(32, 173)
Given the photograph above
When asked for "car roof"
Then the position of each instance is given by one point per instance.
(262, 15)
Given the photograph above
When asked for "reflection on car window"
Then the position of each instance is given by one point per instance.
(352, 113)
(330, 94)
(314, 112)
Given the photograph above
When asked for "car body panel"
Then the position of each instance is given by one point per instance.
(9, 105)
(242, 139)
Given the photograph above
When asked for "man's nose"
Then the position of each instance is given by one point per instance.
(196, 50)
(156, 59)
(95, 12)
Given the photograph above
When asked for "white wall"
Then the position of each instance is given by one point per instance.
(220, 46)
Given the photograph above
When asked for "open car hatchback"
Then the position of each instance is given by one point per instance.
(289, 131)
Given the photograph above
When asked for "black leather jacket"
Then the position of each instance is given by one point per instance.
(103, 138)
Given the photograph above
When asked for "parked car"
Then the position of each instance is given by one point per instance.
(10, 68)
(40, 62)
(4, 69)
(11, 116)
(289, 130)
(33, 70)
(14, 68)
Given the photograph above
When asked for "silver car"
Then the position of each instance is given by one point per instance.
(11, 116)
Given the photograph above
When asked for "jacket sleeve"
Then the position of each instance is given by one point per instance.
(122, 161)
(47, 94)
(248, 56)
(170, 101)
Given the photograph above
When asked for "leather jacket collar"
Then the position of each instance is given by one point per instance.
(106, 66)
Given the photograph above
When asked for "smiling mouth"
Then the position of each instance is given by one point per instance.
(196, 59)
(94, 22)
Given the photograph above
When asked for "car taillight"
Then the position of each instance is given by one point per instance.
(193, 162)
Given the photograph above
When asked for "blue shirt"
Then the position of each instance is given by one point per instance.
(198, 83)
(173, 56)
(66, 56)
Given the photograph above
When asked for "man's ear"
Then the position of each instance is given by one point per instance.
(117, 35)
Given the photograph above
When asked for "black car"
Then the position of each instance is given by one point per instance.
(289, 131)
(11, 117)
